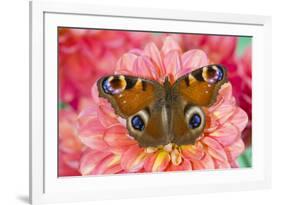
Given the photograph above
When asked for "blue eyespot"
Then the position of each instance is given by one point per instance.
(219, 74)
(138, 123)
(114, 84)
(213, 74)
(195, 121)
(106, 86)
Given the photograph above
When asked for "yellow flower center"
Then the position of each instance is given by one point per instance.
(172, 149)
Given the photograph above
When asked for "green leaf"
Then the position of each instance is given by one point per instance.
(62, 105)
(245, 159)
(242, 44)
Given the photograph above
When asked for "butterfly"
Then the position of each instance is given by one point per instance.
(159, 114)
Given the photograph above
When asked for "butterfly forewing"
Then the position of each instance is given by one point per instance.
(201, 86)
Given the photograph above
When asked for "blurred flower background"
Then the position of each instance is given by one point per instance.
(85, 55)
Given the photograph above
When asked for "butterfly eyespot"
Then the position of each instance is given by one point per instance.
(212, 74)
(137, 123)
(195, 117)
(195, 121)
(114, 84)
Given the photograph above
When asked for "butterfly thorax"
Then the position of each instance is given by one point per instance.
(166, 109)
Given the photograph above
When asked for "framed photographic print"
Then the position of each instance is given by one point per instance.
(127, 103)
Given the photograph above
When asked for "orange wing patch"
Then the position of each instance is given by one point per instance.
(132, 100)
(200, 87)
(127, 95)
(199, 93)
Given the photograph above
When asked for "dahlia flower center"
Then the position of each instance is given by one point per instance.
(172, 149)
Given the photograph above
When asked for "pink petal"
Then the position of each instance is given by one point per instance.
(133, 159)
(226, 92)
(84, 102)
(194, 41)
(235, 149)
(223, 112)
(205, 163)
(68, 115)
(65, 169)
(170, 44)
(117, 169)
(192, 152)
(90, 125)
(226, 134)
(117, 136)
(225, 96)
(95, 93)
(173, 64)
(152, 51)
(239, 119)
(192, 60)
(95, 142)
(137, 52)
(234, 164)
(88, 113)
(109, 165)
(91, 134)
(100, 109)
(246, 60)
(221, 164)
(223, 45)
(143, 67)
(72, 160)
(69, 141)
(107, 116)
(157, 162)
(211, 123)
(125, 64)
(214, 149)
(90, 160)
(185, 165)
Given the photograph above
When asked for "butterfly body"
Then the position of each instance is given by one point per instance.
(159, 114)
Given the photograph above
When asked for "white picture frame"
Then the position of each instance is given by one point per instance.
(46, 187)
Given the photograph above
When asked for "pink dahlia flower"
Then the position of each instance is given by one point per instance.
(110, 149)
(243, 92)
(85, 55)
(218, 48)
(70, 147)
